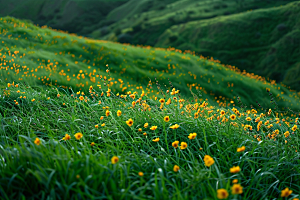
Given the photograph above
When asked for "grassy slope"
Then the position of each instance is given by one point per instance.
(149, 24)
(90, 15)
(265, 41)
(48, 57)
(265, 46)
(76, 170)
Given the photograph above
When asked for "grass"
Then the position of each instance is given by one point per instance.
(266, 41)
(79, 119)
(266, 36)
(51, 167)
(43, 57)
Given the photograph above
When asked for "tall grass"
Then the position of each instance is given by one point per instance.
(75, 169)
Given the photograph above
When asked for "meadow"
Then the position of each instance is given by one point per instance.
(78, 123)
(266, 33)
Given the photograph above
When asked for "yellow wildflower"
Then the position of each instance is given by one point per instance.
(114, 159)
(175, 144)
(222, 194)
(176, 168)
(192, 136)
(183, 145)
(236, 189)
(78, 136)
(37, 141)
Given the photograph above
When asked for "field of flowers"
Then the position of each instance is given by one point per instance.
(99, 145)
(43, 57)
(68, 132)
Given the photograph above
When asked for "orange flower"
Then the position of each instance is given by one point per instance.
(175, 126)
(183, 145)
(176, 168)
(78, 136)
(119, 113)
(129, 122)
(240, 149)
(232, 117)
(208, 160)
(162, 100)
(222, 194)
(37, 141)
(192, 136)
(175, 144)
(286, 192)
(67, 137)
(166, 118)
(236, 189)
(141, 174)
(153, 128)
(234, 169)
(114, 159)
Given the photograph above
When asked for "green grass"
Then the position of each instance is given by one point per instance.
(40, 56)
(263, 41)
(73, 169)
(266, 32)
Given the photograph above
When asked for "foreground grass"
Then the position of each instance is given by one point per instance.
(38, 160)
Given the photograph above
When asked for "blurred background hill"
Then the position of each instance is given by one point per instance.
(261, 37)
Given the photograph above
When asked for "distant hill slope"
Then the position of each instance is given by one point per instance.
(264, 41)
(41, 56)
(75, 16)
(107, 17)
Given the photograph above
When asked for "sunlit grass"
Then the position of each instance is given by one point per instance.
(56, 146)
(43, 57)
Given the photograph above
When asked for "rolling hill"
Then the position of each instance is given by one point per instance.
(41, 56)
(264, 41)
(266, 33)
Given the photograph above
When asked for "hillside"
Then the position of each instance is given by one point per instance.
(111, 16)
(206, 27)
(41, 56)
(79, 17)
(57, 144)
(264, 41)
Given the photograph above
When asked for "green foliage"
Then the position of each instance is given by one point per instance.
(40, 56)
(266, 39)
(73, 169)
(263, 41)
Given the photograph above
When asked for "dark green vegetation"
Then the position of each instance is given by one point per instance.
(45, 57)
(74, 169)
(75, 16)
(264, 41)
